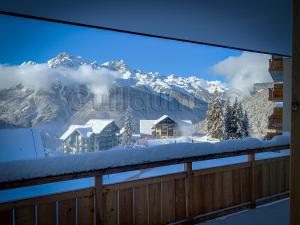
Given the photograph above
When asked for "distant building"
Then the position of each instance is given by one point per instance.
(164, 127)
(20, 144)
(280, 71)
(95, 135)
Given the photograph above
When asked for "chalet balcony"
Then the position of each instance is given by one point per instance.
(275, 122)
(276, 93)
(278, 109)
(276, 65)
(255, 176)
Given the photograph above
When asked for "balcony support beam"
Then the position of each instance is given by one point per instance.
(188, 169)
(251, 159)
(99, 199)
(295, 128)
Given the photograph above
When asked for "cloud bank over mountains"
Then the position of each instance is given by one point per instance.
(41, 76)
(243, 71)
(68, 70)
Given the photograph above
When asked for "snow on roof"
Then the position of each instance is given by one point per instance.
(161, 119)
(92, 126)
(186, 122)
(122, 130)
(70, 130)
(51, 166)
(20, 143)
(146, 126)
(98, 125)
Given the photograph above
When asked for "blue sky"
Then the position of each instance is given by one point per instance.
(25, 39)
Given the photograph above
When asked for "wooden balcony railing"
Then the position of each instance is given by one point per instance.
(186, 197)
(275, 65)
(276, 93)
(275, 122)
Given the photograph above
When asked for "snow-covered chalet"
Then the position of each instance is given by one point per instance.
(163, 127)
(95, 135)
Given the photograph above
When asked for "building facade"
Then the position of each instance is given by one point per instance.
(95, 135)
(280, 120)
(165, 127)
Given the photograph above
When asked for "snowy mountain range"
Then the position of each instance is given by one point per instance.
(192, 86)
(64, 91)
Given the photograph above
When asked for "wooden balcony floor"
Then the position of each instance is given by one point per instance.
(276, 213)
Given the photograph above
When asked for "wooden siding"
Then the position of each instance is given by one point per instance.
(276, 93)
(276, 64)
(166, 128)
(275, 122)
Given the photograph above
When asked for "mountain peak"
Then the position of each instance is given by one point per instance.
(28, 63)
(64, 59)
(118, 65)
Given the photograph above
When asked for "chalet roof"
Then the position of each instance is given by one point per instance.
(94, 126)
(186, 122)
(70, 130)
(98, 125)
(20, 143)
(161, 119)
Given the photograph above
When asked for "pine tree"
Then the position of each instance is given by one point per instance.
(127, 140)
(235, 119)
(236, 123)
(239, 121)
(245, 125)
(229, 131)
(214, 124)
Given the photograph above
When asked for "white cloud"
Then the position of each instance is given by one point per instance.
(41, 76)
(244, 70)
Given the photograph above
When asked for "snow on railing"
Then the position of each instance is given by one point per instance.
(69, 164)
